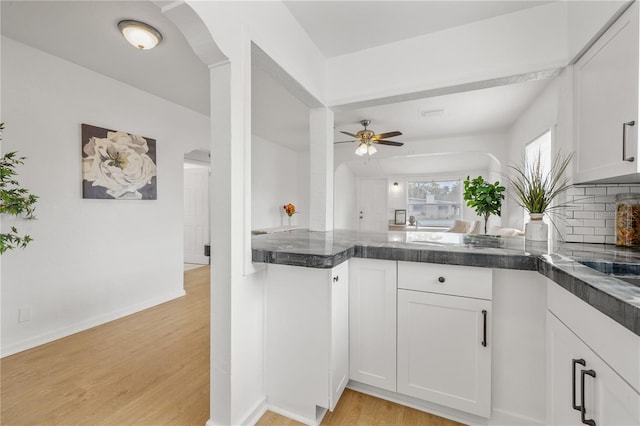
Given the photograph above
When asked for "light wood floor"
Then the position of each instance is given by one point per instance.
(355, 408)
(150, 368)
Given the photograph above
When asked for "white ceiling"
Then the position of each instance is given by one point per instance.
(477, 111)
(433, 164)
(84, 32)
(340, 27)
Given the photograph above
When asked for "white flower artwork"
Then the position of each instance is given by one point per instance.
(117, 165)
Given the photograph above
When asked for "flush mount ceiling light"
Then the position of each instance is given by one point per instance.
(140, 35)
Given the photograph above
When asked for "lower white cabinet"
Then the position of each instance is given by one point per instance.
(444, 350)
(372, 322)
(444, 338)
(593, 365)
(583, 389)
(307, 332)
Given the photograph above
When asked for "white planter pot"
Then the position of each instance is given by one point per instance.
(536, 229)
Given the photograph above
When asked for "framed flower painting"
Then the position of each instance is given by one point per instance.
(117, 165)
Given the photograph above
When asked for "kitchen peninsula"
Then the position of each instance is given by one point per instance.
(446, 323)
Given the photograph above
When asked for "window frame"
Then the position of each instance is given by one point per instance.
(429, 179)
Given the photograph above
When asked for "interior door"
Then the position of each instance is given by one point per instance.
(372, 205)
(196, 213)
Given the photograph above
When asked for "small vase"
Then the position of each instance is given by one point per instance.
(289, 219)
(536, 229)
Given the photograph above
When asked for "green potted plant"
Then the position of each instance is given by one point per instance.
(535, 190)
(484, 197)
(14, 200)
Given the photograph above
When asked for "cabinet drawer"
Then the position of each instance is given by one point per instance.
(455, 280)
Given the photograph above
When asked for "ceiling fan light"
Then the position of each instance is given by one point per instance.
(140, 35)
(361, 149)
(371, 149)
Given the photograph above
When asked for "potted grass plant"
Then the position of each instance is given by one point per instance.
(536, 189)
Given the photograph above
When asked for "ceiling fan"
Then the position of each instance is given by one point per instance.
(366, 138)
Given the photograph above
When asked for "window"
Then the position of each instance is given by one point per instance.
(539, 147)
(434, 203)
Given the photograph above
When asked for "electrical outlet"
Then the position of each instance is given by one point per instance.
(24, 314)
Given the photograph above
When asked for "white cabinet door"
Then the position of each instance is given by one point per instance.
(372, 322)
(608, 400)
(606, 97)
(444, 350)
(339, 333)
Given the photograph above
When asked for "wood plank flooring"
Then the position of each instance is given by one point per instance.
(150, 368)
(358, 409)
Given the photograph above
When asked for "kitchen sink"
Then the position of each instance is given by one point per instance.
(629, 272)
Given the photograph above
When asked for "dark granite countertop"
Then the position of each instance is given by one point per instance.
(558, 261)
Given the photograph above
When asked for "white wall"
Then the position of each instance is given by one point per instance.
(237, 367)
(275, 181)
(92, 260)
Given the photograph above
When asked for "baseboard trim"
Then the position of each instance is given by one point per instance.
(438, 410)
(253, 415)
(503, 417)
(32, 342)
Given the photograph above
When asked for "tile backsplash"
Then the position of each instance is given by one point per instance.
(591, 213)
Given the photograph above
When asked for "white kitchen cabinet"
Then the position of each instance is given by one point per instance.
(372, 322)
(583, 389)
(605, 98)
(307, 331)
(444, 340)
(600, 346)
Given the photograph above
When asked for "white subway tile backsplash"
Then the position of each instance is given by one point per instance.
(594, 223)
(590, 216)
(594, 239)
(584, 215)
(582, 230)
(599, 190)
(613, 190)
(572, 238)
(595, 207)
(608, 199)
(603, 231)
(604, 215)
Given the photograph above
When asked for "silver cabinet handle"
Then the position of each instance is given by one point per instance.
(624, 141)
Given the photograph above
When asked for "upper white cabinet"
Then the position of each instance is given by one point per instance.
(606, 106)
(444, 335)
(307, 338)
(372, 322)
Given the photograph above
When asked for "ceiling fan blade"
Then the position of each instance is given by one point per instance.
(344, 142)
(392, 143)
(386, 135)
(350, 134)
